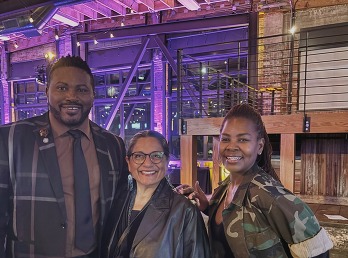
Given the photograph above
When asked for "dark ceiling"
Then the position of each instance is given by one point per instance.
(65, 15)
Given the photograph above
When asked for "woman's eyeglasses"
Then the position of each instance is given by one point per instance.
(155, 157)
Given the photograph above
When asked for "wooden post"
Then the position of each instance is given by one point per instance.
(287, 160)
(188, 156)
(216, 167)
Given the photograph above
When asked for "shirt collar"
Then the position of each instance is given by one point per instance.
(58, 129)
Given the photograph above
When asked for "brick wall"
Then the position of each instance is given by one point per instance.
(273, 55)
(5, 94)
(158, 93)
(33, 53)
(274, 51)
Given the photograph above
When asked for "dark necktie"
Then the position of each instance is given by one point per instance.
(84, 231)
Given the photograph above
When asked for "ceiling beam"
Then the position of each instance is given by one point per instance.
(66, 19)
(101, 9)
(70, 13)
(173, 27)
(149, 4)
(113, 6)
(128, 3)
(169, 3)
(83, 10)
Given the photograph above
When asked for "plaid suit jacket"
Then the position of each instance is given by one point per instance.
(32, 208)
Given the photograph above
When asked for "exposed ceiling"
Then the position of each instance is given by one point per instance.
(61, 16)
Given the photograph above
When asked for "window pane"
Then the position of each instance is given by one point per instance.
(100, 92)
(42, 88)
(20, 88)
(114, 78)
(42, 98)
(31, 87)
(31, 98)
(20, 99)
(99, 79)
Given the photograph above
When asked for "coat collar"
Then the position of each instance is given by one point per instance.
(159, 206)
(240, 194)
(45, 141)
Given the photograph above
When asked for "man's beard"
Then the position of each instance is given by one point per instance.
(71, 122)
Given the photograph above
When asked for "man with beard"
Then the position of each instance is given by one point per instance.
(41, 197)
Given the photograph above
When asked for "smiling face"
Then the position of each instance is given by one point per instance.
(147, 174)
(239, 145)
(70, 95)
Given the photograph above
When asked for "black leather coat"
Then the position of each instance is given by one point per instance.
(171, 227)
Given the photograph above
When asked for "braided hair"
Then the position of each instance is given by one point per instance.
(248, 112)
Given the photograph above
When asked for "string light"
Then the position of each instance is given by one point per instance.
(56, 36)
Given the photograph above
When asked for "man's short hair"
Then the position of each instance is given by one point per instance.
(69, 61)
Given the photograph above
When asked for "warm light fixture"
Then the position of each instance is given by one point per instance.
(192, 5)
(111, 35)
(31, 20)
(50, 56)
(15, 45)
(293, 29)
(95, 42)
(78, 43)
(56, 36)
(122, 23)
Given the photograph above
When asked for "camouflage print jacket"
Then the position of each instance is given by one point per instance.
(262, 213)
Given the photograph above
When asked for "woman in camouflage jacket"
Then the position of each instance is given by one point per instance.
(251, 214)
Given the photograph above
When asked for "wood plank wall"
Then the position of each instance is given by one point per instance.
(324, 169)
(324, 164)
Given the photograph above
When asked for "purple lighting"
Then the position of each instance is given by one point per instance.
(158, 94)
(5, 98)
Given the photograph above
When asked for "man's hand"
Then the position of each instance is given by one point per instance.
(194, 193)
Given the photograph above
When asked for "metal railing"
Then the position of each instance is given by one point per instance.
(304, 72)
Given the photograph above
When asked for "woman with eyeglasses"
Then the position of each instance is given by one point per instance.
(151, 220)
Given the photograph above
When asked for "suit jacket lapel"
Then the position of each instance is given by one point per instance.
(45, 142)
(105, 168)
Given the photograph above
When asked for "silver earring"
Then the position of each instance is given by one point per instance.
(130, 182)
